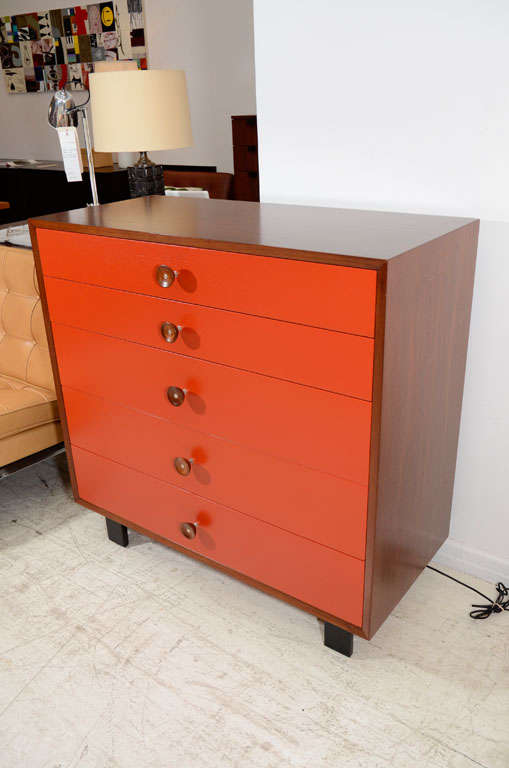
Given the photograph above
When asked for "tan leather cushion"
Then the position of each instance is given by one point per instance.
(23, 406)
(29, 442)
(27, 392)
(23, 345)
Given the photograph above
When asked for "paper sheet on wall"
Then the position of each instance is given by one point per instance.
(71, 155)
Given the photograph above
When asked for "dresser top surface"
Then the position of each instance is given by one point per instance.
(372, 235)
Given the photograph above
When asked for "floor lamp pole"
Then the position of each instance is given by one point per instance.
(90, 158)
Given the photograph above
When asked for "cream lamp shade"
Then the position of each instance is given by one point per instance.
(140, 110)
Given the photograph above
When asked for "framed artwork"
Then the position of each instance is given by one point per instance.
(44, 51)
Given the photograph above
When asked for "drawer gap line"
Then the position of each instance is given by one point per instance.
(216, 437)
(218, 504)
(213, 362)
(209, 306)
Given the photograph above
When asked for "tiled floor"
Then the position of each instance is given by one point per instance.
(142, 658)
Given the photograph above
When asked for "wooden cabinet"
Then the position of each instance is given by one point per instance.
(246, 182)
(275, 390)
(34, 191)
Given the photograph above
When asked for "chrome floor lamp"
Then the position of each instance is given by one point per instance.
(63, 113)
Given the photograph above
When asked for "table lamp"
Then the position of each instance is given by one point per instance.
(140, 111)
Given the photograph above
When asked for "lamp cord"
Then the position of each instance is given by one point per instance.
(483, 611)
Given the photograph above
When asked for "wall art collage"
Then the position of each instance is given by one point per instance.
(43, 51)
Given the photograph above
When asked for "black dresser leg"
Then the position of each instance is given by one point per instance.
(338, 639)
(117, 532)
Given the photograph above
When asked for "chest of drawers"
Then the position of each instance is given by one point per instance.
(275, 390)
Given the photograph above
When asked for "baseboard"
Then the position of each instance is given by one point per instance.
(471, 561)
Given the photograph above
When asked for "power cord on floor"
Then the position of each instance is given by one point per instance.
(483, 611)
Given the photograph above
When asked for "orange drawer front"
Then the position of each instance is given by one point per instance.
(313, 504)
(312, 427)
(322, 295)
(316, 575)
(327, 359)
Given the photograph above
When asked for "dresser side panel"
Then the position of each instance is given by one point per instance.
(53, 357)
(374, 452)
(428, 303)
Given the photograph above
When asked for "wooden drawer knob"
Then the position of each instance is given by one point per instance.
(165, 276)
(176, 396)
(170, 332)
(183, 466)
(188, 530)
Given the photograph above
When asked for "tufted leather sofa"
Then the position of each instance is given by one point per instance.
(29, 420)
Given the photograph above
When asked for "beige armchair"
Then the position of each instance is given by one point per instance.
(29, 421)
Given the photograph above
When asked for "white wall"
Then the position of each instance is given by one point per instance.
(211, 41)
(403, 106)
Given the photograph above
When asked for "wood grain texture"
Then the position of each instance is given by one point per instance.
(374, 453)
(429, 296)
(53, 356)
(362, 239)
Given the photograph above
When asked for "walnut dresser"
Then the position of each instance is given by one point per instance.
(272, 389)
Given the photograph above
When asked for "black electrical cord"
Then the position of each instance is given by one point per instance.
(483, 611)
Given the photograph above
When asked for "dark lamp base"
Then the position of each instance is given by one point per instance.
(145, 180)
